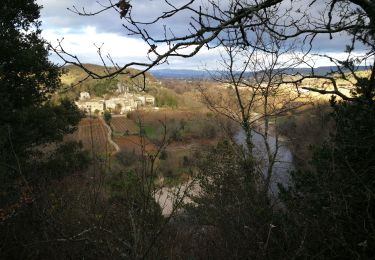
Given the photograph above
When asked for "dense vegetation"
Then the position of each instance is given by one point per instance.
(57, 202)
(31, 127)
(334, 202)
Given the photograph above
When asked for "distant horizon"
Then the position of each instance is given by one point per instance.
(186, 73)
(157, 68)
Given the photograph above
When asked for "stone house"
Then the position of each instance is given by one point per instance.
(84, 96)
(91, 105)
(124, 103)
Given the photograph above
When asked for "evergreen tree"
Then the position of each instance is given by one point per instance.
(31, 126)
(333, 207)
(27, 80)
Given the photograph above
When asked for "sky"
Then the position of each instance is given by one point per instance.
(81, 34)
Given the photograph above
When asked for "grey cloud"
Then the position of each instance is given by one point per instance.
(55, 15)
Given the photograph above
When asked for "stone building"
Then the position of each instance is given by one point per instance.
(84, 96)
(91, 105)
(123, 103)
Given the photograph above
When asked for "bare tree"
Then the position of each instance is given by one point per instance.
(208, 22)
(255, 93)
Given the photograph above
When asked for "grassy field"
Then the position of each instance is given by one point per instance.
(122, 125)
(93, 136)
(134, 143)
(188, 134)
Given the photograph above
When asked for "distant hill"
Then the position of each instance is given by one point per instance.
(180, 74)
(201, 74)
(74, 74)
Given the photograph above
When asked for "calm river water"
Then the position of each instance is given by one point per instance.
(284, 159)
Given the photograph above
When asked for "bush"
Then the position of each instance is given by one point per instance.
(163, 155)
(231, 206)
(334, 202)
(185, 161)
(128, 158)
(107, 117)
(167, 169)
(166, 99)
(176, 135)
(103, 87)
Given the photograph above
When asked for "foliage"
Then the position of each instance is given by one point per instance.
(306, 127)
(163, 155)
(332, 206)
(135, 214)
(27, 80)
(107, 117)
(327, 212)
(231, 207)
(68, 157)
(152, 131)
(176, 135)
(32, 128)
(128, 158)
(73, 75)
(102, 87)
(166, 98)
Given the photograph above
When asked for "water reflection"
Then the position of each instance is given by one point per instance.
(284, 160)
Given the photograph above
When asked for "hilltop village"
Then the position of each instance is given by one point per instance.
(122, 103)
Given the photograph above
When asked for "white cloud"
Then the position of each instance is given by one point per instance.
(82, 43)
(81, 33)
(123, 49)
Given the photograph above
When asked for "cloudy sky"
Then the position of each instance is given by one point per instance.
(81, 34)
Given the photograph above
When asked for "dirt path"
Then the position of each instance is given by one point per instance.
(109, 136)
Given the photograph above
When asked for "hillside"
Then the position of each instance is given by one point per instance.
(73, 75)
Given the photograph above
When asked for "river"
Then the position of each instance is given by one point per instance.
(284, 160)
(281, 171)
